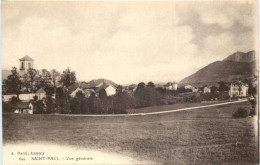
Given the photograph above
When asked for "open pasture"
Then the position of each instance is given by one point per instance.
(201, 136)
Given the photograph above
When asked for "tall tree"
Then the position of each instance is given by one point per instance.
(68, 77)
(13, 82)
(141, 85)
(213, 89)
(50, 105)
(32, 73)
(150, 85)
(54, 77)
(102, 94)
(44, 79)
(223, 86)
(46, 76)
(252, 90)
(119, 89)
(26, 81)
(77, 103)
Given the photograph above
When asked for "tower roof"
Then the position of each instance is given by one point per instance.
(26, 58)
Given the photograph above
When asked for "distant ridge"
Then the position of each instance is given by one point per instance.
(238, 65)
(104, 81)
(242, 57)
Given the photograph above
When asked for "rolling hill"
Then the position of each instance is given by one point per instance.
(236, 66)
(104, 81)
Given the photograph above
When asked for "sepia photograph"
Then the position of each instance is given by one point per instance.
(129, 82)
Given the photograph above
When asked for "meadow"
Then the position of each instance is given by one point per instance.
(169, 107)
(201, 136)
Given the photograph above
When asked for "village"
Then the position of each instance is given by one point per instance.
(27, 90)
(130, 82)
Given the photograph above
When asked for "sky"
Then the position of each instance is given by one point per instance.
(127, 42)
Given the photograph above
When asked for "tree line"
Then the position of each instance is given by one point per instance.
(34, 79)
(145, 95)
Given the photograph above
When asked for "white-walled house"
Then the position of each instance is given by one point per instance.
(175, 86)
(206, 89)
(26, 96)
(40, 93)
(73, 94)
(171, 86)
(188, 87)
(22, 97)
(24, 107)
(238, 89)
(6, 98)
(193, 89)
(110, 90)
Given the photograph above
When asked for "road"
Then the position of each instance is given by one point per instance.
(154, 113)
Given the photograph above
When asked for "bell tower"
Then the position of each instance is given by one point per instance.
(26, 63)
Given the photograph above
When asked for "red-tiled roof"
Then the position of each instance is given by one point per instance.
(26, 58)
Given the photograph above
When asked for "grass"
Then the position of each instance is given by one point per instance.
(201, 136)
(168, 107)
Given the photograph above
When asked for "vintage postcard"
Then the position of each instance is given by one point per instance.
(129, 82)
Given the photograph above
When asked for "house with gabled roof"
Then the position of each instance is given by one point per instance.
(74, 93)
(238, 89)
(171, 86)
(193, 89)
(206, 89)
(40, 93)
(23, 107)
(110, 90)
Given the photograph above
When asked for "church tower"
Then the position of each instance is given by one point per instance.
(25, 64)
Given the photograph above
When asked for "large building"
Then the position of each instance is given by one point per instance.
(171, 86)
(238, 89)
(26, 63)
(193, 89)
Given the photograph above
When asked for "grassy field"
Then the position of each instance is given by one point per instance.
(201, 136)
(168, 107)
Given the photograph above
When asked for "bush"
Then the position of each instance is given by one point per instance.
(14, 100)
(252, 112)
(253, 109)
(6, 107)
(240, 113)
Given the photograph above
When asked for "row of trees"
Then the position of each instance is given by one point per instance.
(35, 79)
(101, 104)
(145, 95)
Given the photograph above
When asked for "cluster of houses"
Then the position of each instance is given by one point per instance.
(171, 86)
(237, 89)
(26, 104)
(88, 89)
(174, 87)
(40, 94)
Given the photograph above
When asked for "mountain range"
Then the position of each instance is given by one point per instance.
(238, 65)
